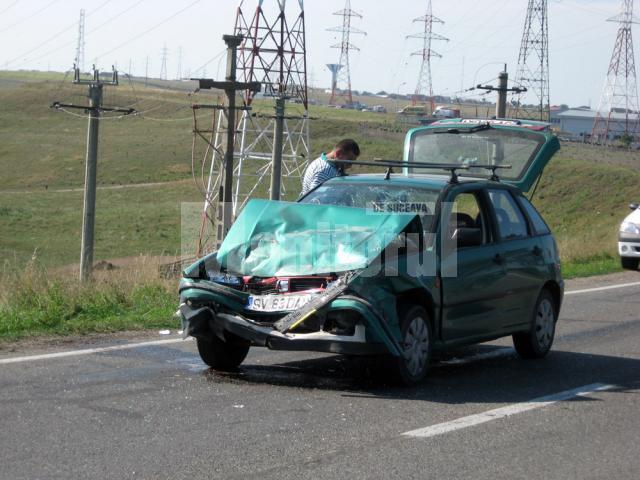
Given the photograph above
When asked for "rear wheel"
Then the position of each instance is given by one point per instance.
(411, 367)
(222, 355)
(537, 342)
(629, 263)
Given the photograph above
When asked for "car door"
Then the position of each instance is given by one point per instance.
(521, 254)
(472, 276)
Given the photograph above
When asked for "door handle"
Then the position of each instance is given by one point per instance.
(497, 258)
(537, 251)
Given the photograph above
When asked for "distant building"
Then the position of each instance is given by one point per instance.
(578, 122)
(554, 113)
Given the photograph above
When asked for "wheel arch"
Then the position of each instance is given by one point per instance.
(556, 292)
(423, 298)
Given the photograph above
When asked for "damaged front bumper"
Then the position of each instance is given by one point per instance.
(209, 309)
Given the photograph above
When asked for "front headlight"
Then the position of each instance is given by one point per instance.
(629, 228)
(224, 279)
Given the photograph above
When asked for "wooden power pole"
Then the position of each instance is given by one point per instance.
(94, 109)
(230, 86)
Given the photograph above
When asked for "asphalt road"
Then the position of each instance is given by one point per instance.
(156, 411)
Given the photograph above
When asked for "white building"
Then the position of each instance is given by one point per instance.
(578, 122)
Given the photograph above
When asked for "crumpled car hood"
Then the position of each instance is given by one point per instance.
(272, 238)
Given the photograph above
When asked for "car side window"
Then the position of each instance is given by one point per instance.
(467, 224)
(511, 222)
(539, 224)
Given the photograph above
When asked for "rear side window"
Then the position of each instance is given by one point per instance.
(511, 221)
(539, 224)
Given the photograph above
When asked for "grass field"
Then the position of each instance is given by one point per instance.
(583, 194)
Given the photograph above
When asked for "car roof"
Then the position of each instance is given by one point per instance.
(431, 181)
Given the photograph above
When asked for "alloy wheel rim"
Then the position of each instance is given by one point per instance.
(416, 346)
(545, 323)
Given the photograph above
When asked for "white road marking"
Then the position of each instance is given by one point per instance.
(88, 351)
(471, 420)
(599, 289)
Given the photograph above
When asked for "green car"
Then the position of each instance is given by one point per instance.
(436, 251)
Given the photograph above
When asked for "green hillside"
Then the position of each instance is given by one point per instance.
(583, 194)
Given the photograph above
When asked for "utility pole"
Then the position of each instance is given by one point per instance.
(502, 89)
(230, 87)
(276, 171)
(146, 72)
(95, 109)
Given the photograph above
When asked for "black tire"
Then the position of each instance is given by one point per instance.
(537, 342)
(629, 263)
(222, 355)
(415, 325)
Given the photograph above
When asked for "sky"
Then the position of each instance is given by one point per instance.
(483, 36)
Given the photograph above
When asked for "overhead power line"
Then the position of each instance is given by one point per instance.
(29, 17)
(142, 34)
(61, 32)
(9, 7)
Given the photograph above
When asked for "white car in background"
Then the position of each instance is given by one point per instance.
(629, 239)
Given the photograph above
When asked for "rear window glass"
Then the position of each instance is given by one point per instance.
(539, 224)
(485, 147)
(511, 221)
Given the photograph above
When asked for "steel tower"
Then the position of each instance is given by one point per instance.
(79, 60)
(341, 72)
(618, 110)
(533, 64)
(424, 87)
(163, 63)
(273, 52)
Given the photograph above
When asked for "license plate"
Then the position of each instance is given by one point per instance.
(276, 303)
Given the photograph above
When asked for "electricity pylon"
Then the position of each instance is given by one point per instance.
(424, 86)
(618, 110)
(79, 60)
(532, 74)
(341, 72)
(272, 53)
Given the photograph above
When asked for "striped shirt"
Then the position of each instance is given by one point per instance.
(318, 172)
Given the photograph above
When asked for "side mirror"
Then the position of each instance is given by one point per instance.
(633, 206)
(467, 237)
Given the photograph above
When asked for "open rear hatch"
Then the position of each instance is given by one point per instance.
(525, 146)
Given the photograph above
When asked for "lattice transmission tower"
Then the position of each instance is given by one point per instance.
(274, 53)
(533, 65)
(79, 60)
(341, 71)
(163, 63)
(424, 86)
(618, 110)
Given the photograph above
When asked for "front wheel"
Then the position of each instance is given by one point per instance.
(222, 355)
(629, 263)
(411, 367)
(537, 342)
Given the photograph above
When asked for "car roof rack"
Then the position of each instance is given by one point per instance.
(390, 164)
(494, 177)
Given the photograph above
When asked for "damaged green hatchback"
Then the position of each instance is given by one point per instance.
(401, 263)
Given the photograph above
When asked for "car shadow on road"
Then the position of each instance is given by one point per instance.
(479, 374)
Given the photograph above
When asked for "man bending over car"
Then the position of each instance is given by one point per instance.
(328, 165)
